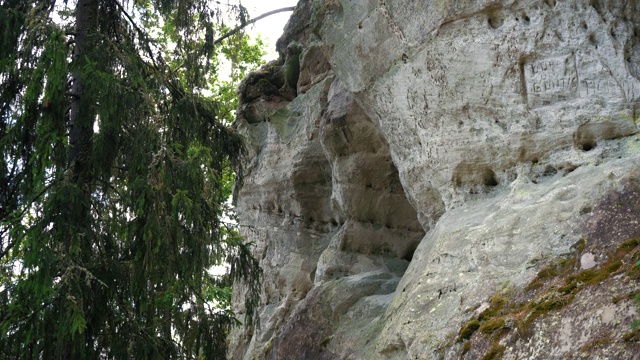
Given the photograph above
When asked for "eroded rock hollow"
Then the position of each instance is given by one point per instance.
(445, 179)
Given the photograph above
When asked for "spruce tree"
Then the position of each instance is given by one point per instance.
(114, 173)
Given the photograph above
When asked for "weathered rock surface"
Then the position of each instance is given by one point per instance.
(437, 156)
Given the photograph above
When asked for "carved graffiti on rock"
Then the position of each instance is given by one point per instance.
(608, 86)
(556, 79)
(551, 80)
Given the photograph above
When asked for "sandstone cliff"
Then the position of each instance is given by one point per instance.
(446, 179)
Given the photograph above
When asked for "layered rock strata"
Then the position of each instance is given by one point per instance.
(432, 161)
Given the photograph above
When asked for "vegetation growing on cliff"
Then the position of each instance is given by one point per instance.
(553, 288)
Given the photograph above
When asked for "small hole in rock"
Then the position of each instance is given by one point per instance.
(588, 145)
(409, 255)
(489, 178)
(585, 210)
(549, 170)
(496, 20)
(570, 168)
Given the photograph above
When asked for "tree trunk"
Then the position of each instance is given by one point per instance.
(76, 225)
(82, 114)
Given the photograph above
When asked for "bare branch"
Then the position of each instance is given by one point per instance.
(240, 27)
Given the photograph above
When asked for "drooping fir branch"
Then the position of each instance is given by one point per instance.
(146, 39)
(10, 218)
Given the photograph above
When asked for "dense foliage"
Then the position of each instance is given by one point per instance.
(114, 176)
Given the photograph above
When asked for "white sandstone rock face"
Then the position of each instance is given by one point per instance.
(323, 204)
(439, 153)
(465, 90)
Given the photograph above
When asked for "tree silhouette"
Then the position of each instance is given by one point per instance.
(114, 174)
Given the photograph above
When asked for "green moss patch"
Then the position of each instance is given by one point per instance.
(591, 276)
(613, 266)
(495, 353)
(632, 336)
(595, 343)
(629, 245)
(496, 304)
(547, 273)
(547, 302)
(534, 285)
(325, 342)
(468, 330)
(466, 347)
(491, 325)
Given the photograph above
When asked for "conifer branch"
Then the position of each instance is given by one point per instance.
(7, 218)
(9, 246)
(142, 33)
(28, 206)
(242, 26)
